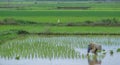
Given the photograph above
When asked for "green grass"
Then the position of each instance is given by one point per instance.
(63, 29)
(45, 5)
(7, 37)
(63, 16)
(74, 13)
(47, 12)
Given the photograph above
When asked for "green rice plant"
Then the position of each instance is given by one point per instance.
(43, 49)
(118, 50)
(53, 46)
(111, 52)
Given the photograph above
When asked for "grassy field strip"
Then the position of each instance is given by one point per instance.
(47, 5)
(60, 13)
(54, 19)
(63, 29)
(63, 16)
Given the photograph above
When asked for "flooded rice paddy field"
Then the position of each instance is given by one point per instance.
(59, 50)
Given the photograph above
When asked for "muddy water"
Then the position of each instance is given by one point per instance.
(108, 43)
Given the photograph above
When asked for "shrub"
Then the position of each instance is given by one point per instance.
(22, 32)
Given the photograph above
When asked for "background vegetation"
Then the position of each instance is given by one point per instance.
(68, 17)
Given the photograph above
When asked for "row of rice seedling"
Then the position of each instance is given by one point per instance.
(26, 48)
(55, 47)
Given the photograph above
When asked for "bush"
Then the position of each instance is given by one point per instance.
(22, 32)
(113, 21)
(12, 21)
(9, 21)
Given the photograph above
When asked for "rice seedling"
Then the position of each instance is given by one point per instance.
(118, 50)
(54, 47)
(111, 52)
